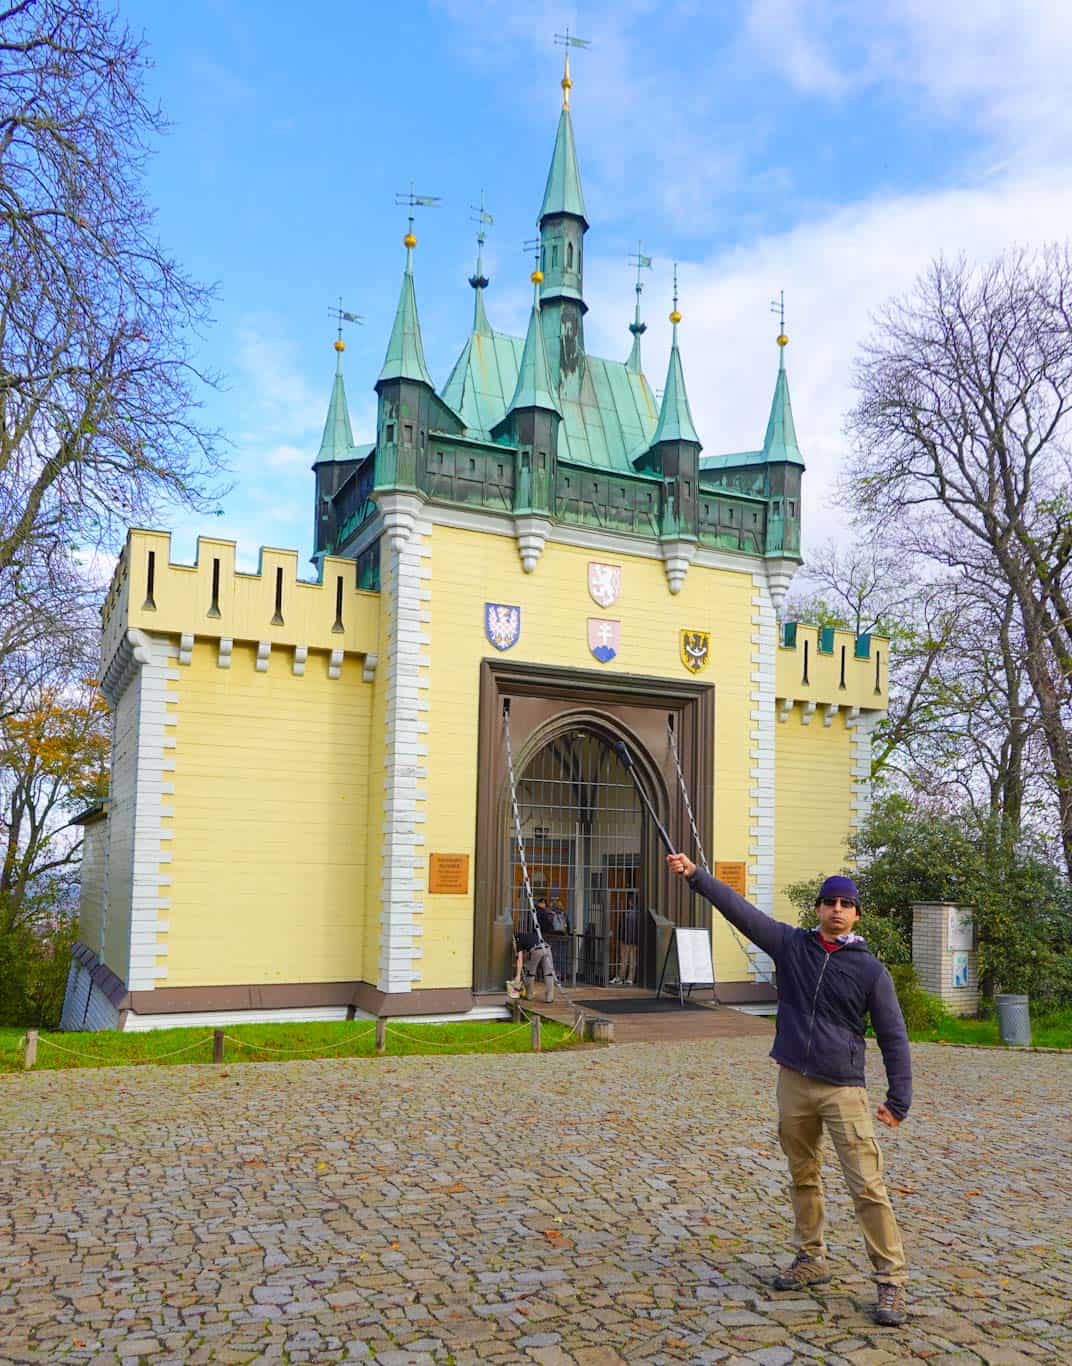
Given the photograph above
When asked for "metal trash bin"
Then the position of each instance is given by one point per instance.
(1014, 1020)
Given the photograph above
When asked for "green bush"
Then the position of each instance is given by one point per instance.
(920, 1009)
(33, 976)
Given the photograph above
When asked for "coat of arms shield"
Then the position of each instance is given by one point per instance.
(695, 650)
(502, 624)
(604, 582)
(604, 637)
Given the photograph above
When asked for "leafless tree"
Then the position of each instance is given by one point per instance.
(99, 391)
(961, 435)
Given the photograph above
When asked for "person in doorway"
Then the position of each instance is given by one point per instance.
(533, 954)
(828, 981)
(628, 935)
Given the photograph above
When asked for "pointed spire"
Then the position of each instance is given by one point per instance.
(338, 438)
(478, 279)
(405, 350)
(638, 328)
(675, 417)
(562, 193)
(533, 388)
(780, 442)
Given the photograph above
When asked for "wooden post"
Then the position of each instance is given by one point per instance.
(31, 1049)
(535, 1033)
(515, 1011)
(217, 1045)
(381, 1034)
(600, 1030)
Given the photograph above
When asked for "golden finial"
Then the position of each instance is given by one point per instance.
(342, 316)
(782, 339)
(537, 277)
(409, 241)
(566, 40)
(340, 345)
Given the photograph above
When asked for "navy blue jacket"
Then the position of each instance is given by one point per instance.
(823, 998)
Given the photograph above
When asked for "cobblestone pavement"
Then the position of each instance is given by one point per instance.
(596, 1207)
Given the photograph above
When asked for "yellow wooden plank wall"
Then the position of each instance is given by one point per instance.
(812, 802)
(271, 812)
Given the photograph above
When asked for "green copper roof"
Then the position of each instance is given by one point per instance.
(608, 424)
(675, 418)
(780, 443)
(405, 351)
(533, 388)
(562, 193)
(338, 438)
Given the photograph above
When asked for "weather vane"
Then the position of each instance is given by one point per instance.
(641, 262)
(415, 201)
(778, 306)
(484, 220)
(567, 40)
(342, 316)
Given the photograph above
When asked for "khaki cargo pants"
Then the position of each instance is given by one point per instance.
(805, 1106)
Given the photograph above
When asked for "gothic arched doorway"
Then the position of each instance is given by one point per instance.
(585, 845)
(596, 843)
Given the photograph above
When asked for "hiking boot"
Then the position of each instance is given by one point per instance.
(891, 1306)
(803, 1272)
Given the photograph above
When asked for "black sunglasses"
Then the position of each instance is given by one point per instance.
(839, 901)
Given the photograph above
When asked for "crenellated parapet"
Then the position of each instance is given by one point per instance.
(212, 600)
(820, 670)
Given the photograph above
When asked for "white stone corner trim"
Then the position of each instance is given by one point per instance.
(399, 512)
(761, 758)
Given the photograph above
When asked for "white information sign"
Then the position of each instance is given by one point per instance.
(961, 929)
(960, 970)
(694, 965)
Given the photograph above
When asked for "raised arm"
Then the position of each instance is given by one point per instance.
(763, 930)
(892, 1039)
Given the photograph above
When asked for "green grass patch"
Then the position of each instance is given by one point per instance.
(276, 1043)
(1049, 1029)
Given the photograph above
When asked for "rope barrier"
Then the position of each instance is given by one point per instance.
(123, 1062)
(394, 1029)
(268, 1048)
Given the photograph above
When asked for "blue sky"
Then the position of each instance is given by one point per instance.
(826, 148)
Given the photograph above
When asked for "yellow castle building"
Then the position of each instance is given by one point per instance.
(338, 797)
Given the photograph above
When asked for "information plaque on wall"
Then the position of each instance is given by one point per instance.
(448, 873)
(733, 875)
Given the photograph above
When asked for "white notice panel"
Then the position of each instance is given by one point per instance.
(694, 965)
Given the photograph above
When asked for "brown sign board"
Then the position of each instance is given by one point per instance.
(448, 873)
(733, 874)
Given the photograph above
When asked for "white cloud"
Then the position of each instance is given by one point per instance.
(1001, 68)
(837, 270)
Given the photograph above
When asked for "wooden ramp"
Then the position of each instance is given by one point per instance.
(639, 1017)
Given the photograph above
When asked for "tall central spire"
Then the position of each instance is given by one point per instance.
(478, 279)
(563, 224)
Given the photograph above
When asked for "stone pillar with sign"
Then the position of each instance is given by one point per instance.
(944, 956)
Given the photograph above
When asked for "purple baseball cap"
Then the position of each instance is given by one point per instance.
(843, 887)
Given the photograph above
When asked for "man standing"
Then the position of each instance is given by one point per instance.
(828, 981)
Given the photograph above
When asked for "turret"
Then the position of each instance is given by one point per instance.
(563, 224)
(335, 460)
(532, 418)
(784, 467)
(408, 404)
(675, 448)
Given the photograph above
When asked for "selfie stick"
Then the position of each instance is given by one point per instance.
(622, 751)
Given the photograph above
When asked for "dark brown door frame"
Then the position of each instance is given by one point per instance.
(547, 699)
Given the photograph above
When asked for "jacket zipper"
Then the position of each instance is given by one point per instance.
(815, 997)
